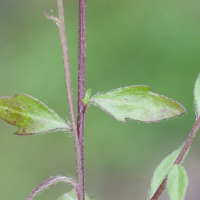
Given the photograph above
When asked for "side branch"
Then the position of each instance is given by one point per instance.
(48, 183)
(180, 157)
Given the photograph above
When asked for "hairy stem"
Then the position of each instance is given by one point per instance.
(81, 86)
(61, 26)
(48, 183)
(181, 155)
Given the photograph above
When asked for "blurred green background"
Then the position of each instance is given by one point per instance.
(154, 43)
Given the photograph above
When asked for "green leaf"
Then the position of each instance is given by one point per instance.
(177, 182)
(69, 196)
(137, 103)
(162, 170)
(30, 115)
(197, 95)
(87, 96)
(72, 196)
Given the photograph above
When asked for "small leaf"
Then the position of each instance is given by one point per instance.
(30, 115)
(87, 96)
(69, 196)
(48, 183)
(197, 95)
(177, 182)
(162, 170)
(72, 196)
(137, 103)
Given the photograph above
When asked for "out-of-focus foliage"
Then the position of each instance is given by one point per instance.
(72, 196)
(197, 95)
(154, 43)
(177, 182)
(162, 171)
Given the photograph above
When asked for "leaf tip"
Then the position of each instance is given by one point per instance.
(196, 94)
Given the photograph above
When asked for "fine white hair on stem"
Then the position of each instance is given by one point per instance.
(49, 182)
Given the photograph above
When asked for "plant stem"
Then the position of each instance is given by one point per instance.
(81, 86)
(61, 26)
(189, 140)
(181, 155)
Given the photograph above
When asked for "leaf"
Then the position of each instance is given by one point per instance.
(30, 115)
(177, 182)
(137, 103)
(162, 170)
(87, 96)
(72, 196)
(197, 95)
(69, 196)
(48, 183)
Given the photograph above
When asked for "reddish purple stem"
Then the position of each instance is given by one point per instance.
(81, 82)
(180, 157)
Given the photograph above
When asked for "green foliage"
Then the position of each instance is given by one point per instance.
(69, 196)
(177, 182)
(151, 50)
(87, 96)
(72, 196)
(197, 95)
(162, 170)
(137, 103)
(30, 115)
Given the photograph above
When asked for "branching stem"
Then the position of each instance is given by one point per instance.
(180, 157)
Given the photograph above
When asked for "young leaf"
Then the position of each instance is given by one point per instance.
(197, 95)
(30, 115)
(87, 96)
(67, 196)
(137, 103)
(162, 170)
(72, 196)
(177, 182)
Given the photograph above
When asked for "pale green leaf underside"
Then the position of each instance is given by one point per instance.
(177, 182)
(162, 170)
(197, 94)
(30, 115)
(137, 103)
(72, 196)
